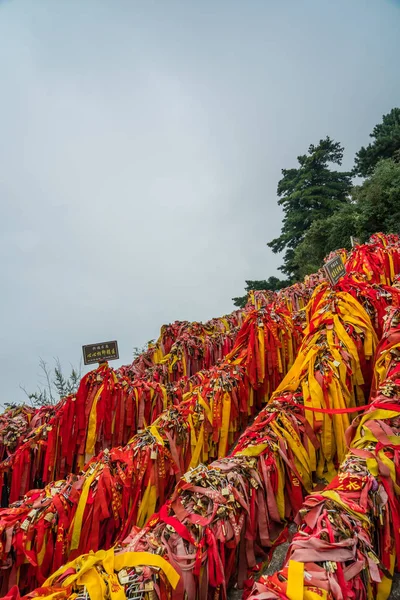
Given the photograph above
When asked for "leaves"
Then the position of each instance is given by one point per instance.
(386, 144)
(137, 351)
(307, 194)
(378, 200)
(324, 236)
(272, 283)
(54, 385)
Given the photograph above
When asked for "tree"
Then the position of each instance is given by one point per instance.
(326, 235)
(309, 193)
(54, 385)
(386, 144)
(378, 200)
(375, 206)
(272, 283)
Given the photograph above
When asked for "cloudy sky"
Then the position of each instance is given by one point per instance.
(141, 145)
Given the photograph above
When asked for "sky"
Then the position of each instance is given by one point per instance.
(141, 147)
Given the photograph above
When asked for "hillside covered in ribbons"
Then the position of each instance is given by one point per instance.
(136, 478)
(109, 408)
(348, 542)
(194, 506)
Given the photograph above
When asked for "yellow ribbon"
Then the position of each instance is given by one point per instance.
(91, 436)
(88, 575)
(295, 584)
(77, 522)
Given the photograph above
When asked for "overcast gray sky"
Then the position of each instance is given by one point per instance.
(141, 146)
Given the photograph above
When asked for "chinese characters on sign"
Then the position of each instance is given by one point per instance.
(97, 353)
(334, 269)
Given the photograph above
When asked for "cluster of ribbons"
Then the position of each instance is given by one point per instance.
(260, 298)
(122, 486)
(15, 423)
(93, 509)
(222, 518)
(342, 253)
(41, 531)
(375, 299)
(233, 510)
(184, 348)
(188, 355)
(296, 297)
(106, 411)
(40, 445)
(379, 260)
(348, 541)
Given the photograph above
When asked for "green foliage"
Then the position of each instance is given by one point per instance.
(307, 194)
(386, 144)
(54, 384)
(324, 236)
(272, 283)
(375, 207)
(322, 210)
(137, 351)
(378, 200)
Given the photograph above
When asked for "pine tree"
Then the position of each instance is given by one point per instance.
(386, 144)
(309, 193)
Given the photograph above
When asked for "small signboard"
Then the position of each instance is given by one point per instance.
(354, 241)
(98, 353)
(335, 269)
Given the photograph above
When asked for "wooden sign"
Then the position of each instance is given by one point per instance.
(335, 269)
(98, 353)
